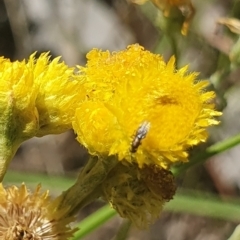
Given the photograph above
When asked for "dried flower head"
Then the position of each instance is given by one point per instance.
(138, 194)
(140, 108)
(25, 215)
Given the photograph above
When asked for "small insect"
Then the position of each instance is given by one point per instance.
(140, 135)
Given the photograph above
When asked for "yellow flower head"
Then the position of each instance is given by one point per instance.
(138, 194)
(185, 6)
(26, 215)
(140, 108)
(57, 94)
(19, 116)
(37, 97)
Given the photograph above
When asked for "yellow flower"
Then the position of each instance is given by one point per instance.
(17, 100)
(185, 6)
(26, 215)
(138, 194)
(140, 108)
(57, 94)
(37, 97)
(19, 116)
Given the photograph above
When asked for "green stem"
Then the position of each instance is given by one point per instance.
(209, 152)
(207, 205)
(86, 189)
(200, 204)
(94, 221)
(7, 152)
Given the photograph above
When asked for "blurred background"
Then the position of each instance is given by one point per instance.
(72, 28)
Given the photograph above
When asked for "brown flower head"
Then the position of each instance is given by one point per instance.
(25, 216)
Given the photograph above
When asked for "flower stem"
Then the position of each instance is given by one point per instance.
(86, 189)
(94, 221)
(7, 152)
(209, 152)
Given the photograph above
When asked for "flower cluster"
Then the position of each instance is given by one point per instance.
(136, 114)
